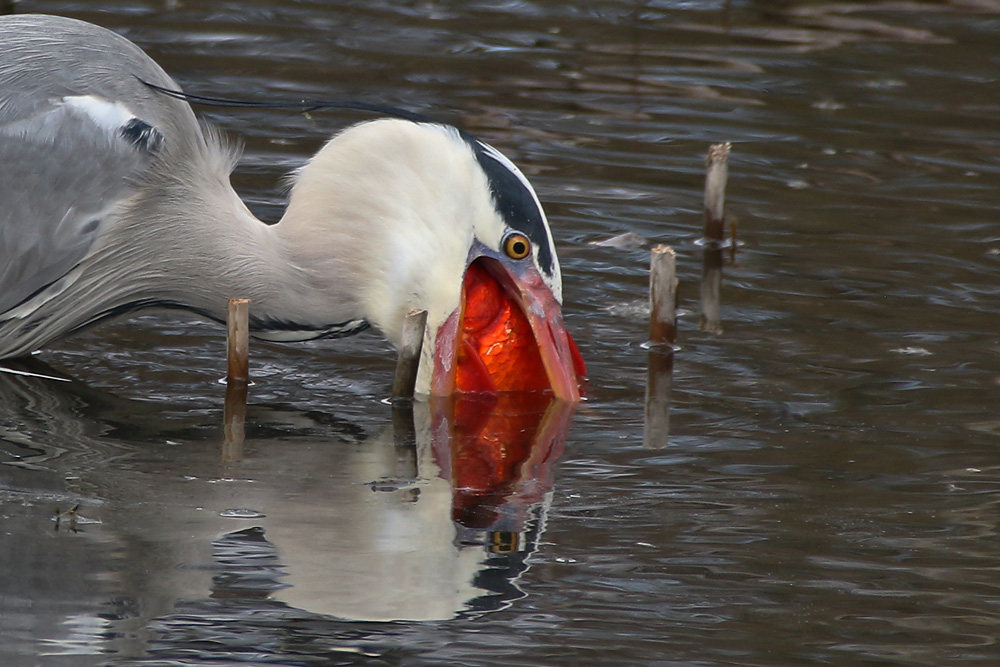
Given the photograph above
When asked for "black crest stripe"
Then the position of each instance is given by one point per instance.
(516, 204)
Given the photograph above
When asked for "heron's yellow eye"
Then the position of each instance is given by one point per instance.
(517, 246)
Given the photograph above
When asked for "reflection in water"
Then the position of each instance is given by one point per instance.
(499, 455)
(659, 382)
(438, 527)
(433, 516)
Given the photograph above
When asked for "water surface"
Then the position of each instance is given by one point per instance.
(825, 493)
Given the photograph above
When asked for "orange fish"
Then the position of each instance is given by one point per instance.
(507, 336)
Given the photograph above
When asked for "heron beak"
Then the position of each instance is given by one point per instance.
(507, 335)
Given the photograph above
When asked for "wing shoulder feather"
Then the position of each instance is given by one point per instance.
(65, 175)
(78, 130)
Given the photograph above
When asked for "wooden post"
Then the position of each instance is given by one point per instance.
(238, 341)
(237, 378)
(716, 175)
(663, 296)
(715, 203)
(408, 361)
(403, 386)
(662, 336)
(711, 290)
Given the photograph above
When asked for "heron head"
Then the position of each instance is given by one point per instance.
(506, 333)
(425, 216)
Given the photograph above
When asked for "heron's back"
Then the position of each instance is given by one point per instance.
(79, 131)
(44, 58)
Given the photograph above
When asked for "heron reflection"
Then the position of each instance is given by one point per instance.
(424, 519)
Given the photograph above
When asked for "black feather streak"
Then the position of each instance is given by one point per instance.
(142, 135)
(516, 204)
(261, 326)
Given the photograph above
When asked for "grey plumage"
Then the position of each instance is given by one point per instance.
(113, 197)
(66, 179)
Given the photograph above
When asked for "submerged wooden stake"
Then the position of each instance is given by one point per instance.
(711, 290)
(233, 421)
(404, 436)
(663, 296)
(659, 380)
(734, 241)
(238, 340)
(408, 361)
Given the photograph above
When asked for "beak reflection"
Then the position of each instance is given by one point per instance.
(499, 453)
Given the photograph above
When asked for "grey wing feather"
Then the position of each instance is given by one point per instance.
(66, 168)
(62, 177)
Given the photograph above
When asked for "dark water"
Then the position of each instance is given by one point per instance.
(828, 492)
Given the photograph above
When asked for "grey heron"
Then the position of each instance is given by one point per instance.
(113, 197)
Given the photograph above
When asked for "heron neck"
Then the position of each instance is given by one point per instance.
(201, 246)
(290, 299)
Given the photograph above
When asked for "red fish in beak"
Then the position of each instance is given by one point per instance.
(507, 335)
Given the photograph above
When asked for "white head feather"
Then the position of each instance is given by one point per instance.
(387, 204)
